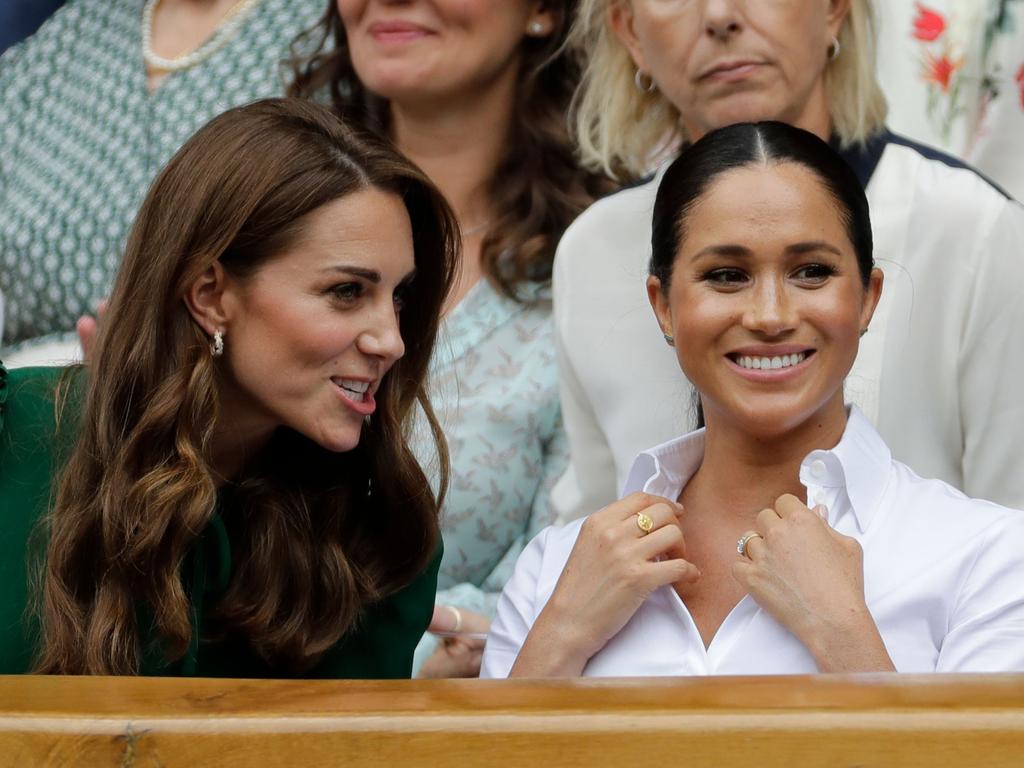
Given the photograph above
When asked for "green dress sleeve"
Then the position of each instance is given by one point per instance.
(28, 455)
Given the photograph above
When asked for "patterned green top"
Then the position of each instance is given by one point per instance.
(81, 139)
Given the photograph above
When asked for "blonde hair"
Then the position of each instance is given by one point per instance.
(620, 128)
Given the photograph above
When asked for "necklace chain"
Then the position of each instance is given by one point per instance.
(224, 31)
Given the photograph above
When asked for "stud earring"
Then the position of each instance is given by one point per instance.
(833, 50)
(217, 345)
(669, 339)
(863, 331)
(536, 28)
(643, 82)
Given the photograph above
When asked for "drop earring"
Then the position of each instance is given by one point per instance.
(217, 345)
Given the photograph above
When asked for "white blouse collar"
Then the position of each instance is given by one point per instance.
(858, 465)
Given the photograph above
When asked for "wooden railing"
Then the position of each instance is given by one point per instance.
(790, 722)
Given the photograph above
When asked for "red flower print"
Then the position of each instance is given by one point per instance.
(1020, 82)
(940, 69)
(929, 24)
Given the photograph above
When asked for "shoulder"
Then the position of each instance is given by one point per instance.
(930, 505)
(27, 395)
(622, 218)
(936, 180)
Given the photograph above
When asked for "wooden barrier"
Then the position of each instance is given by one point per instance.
(769, 722)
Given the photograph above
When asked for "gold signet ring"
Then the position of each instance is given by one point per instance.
(644, 522)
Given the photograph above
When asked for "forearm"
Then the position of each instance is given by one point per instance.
(552, 649)
(850, 644)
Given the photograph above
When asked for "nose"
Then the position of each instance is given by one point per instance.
(382, 337)
(721, 19)
(771, 312)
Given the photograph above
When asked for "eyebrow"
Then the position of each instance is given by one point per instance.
(367, 274)
(742, 252)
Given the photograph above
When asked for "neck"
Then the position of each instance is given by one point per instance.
(236, 438)
(459, 143)
(742, 473)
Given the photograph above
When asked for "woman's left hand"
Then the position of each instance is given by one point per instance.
(810, 578)
(457, 656)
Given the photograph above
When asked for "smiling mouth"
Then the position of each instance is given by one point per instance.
(774, 363)
(352, 389)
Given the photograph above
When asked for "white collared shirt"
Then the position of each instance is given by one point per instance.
(943, 575)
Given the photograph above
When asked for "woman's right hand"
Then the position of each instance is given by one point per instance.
(611, 570)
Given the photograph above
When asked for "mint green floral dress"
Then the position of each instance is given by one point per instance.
(81, 139)
(494, 386)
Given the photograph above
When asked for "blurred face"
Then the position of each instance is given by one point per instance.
(429, 49)
(309, 336)
(766, 301)
(728, 61)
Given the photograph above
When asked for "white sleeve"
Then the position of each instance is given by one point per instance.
(517, 610)
(991, 366)
(589, 481)
(986, 628)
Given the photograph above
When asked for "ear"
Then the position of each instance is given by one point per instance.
(209, 299)
(838, 10)
(659, 303)
(541, 21)
(871, 296)
(621, 20)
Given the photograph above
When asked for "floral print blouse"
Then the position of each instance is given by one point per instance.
(953, 72)
(494, 387)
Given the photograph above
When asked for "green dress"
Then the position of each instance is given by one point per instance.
(30, 451)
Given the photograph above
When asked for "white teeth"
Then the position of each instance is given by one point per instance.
(773, 363)
(352, 389)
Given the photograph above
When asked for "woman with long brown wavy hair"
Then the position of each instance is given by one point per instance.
(233, 489)
(476, 93)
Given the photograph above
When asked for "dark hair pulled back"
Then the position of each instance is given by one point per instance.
(745, 144)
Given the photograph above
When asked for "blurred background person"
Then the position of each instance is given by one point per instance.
(475, 92)
(91, 107)
(937, 373)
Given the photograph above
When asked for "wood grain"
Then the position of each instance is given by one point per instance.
(891, 721)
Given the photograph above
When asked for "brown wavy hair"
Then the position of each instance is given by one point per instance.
(316, 536)
(539, 186)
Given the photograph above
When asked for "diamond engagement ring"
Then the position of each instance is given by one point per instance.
(741, 545)
(644, 522)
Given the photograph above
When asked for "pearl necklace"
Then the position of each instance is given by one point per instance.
(224, 31)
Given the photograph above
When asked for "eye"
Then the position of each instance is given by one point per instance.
(725, 277)
(346, 292)
(814, 273)
(399, 297)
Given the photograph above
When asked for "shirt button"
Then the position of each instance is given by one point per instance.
(818, 468)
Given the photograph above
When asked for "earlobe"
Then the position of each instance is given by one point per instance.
(205, 299)
(621, 20)
(659, 303)
(872, 295)
(542, 21)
